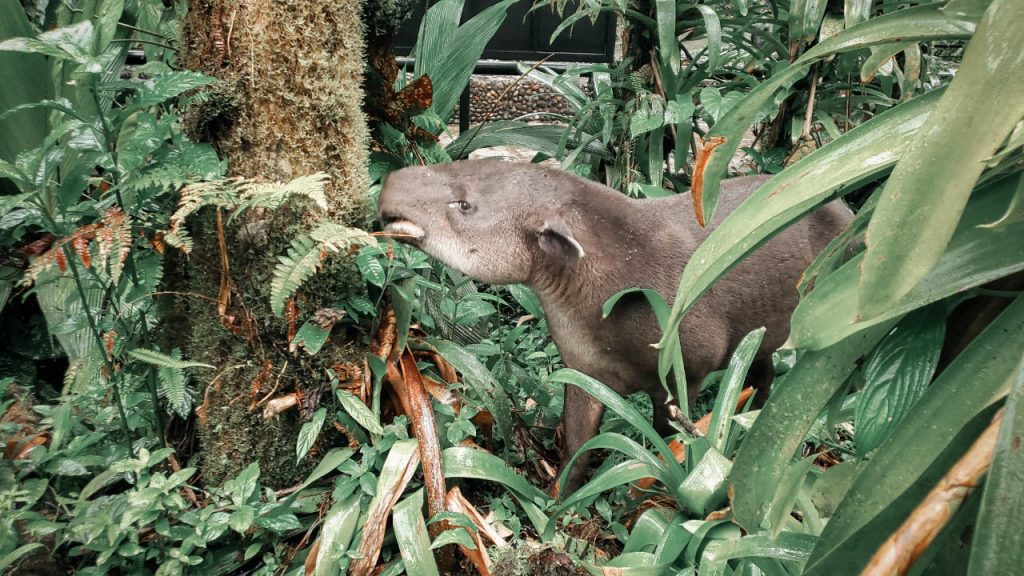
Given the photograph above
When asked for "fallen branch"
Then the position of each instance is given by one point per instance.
(903, 547)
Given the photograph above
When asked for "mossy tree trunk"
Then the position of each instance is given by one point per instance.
(289, 105)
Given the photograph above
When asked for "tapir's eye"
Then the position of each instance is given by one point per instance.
(462, 205)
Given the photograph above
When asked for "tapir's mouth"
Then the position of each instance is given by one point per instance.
(404, 230)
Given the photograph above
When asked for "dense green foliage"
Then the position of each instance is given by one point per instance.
(99, 474)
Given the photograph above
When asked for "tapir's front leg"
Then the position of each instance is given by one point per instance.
(581, 419)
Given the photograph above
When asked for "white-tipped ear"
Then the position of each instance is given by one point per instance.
(557, 242)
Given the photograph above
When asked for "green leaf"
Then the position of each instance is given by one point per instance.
(448, 53)
(896, 375)
(329, 463)
(462, 462)
(621, 473)
(924, 198)
(617, 404)
(977, 254)
(12, 557)
(371, 269)
(411, 534)
(704, 488)
(856, 156)
(786, 546)
(543, 138)
(162, 88)
(309, 433)
(763, 461)
(920, 23)
(359, 411)
(243, 486)
(668, 44)
(336, 535)
(481, 381)
(713, 29)
(730, 388)
(302, 261)
(74, 42)
(163, 360)
(240, 520)
(980, 376)
(310, 337)
(997, 545)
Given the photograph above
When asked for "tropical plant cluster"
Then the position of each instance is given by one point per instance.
(900, 386)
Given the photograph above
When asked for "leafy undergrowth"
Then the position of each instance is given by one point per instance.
(435, 455)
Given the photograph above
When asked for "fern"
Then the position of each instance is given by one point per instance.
(302, 261)
(111, 238)
(175, 391)
(194, 197)
(274, 194)
(239, 195)
(306, 255)
(163, 360)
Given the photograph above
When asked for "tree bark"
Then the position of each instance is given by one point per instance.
(289, 104)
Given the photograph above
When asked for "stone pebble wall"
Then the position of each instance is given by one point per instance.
(528, 96)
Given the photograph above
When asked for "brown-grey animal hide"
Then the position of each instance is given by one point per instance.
(576, 243)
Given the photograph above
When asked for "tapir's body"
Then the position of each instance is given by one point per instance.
(576, 243)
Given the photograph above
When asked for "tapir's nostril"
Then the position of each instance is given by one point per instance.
(388, 217)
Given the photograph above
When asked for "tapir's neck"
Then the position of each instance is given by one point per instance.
(627, 243)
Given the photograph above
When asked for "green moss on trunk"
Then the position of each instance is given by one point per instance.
(289, 104)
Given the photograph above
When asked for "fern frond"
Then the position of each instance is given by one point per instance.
(163, 360)
(336, 238)
(173, 388)
(302, 261)
(219, 193)
(274, 194)
(306, 255)
(114, 230)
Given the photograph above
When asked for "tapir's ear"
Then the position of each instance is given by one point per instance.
(557, 241)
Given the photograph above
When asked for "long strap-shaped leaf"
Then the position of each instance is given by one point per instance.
(981, 376)
(928, 190)
(854, 157)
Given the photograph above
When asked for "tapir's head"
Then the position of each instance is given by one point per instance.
(493, 221)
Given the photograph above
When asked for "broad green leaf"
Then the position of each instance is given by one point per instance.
(243, 486)
(462, 462)
(336, 534)
(998, 540)
(924, 198)
(12, 557)
(669, 474)
(329, 463)
(411, 534)
(310, 337)
(73, 43)
(855, 157)
(309, 432)
(764, 459)
(629, 564)
(359, 411)
(976, 255)
(980, 376)
(371, 269)
(713, 28)
(240, 520)
(921, 23)
(163, 360)
(896, 375)
(26, 79)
